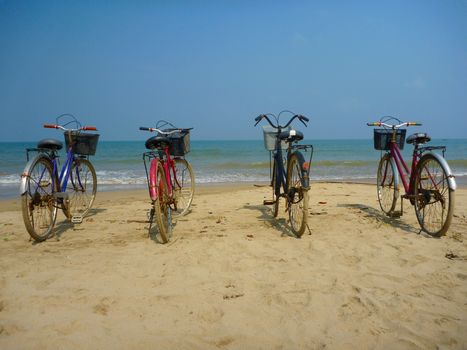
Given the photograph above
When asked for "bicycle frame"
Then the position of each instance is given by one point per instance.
(64, 173)
(402, 167)
(281, 172)
(404, 171)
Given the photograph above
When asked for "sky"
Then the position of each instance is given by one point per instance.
(216, 65)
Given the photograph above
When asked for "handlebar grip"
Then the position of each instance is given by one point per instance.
(302, 117)
(91, 128)
(374, 124)
(144, 128)
(50, 126)
(414, 124)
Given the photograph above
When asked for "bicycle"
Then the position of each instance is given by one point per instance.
(43, 190)
(429, 185)
(289, 176)
(170, 179)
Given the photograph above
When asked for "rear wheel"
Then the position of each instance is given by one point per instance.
(434, 200)
(183, 186)
(38, 202)
(297, 196)
(81, 188)
(388, 190)
(162, 210)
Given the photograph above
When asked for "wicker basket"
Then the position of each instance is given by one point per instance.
(382, 138)
(82, 143)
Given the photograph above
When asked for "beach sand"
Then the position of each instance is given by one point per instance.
(234, 278)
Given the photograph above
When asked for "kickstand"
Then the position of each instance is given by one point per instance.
(309, 231)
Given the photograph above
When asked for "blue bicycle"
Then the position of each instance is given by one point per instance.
(43, 190)
(290, 175)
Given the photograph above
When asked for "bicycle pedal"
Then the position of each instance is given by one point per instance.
(395, 214)
(61, 195)
(268, 202)
(77, 219)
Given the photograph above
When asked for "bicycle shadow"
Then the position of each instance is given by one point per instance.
(65, 225)
(279, 224)
(380, 216)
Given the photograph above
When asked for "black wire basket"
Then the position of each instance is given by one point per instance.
(179, 142)
(382, 138)
(82, 143)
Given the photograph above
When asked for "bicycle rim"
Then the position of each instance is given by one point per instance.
(183, 186)
(387, 189)
(81, 188)
(38, 203)
(434, 200)
(297, 197)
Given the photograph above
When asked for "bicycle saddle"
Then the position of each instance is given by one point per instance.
(291, 135)
(157, 141)
(51, 144)
(418, 138)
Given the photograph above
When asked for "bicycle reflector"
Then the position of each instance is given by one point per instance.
(306, 166)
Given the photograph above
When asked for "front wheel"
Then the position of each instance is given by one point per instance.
(183, 182)
(387, 184)
(297, 195)
(434, 199)
(161, 205)
(81, 188)
(37, 202)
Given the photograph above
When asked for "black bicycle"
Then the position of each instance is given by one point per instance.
(290, 174)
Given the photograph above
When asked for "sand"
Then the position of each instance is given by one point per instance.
(234, 278)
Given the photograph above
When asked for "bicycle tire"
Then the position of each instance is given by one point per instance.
(433, 194)
(276, 198)
(297, 194)
(81, 188)
(37, 202)
(183, 186)
(162, 210)
(387, 184)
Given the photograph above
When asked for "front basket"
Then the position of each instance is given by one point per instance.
(82, 143)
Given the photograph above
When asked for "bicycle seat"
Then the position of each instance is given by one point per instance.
(51, 144)
(291, 135)
(418, 138)
(158, 141)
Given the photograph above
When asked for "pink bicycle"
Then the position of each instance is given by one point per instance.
(429, 184)
(171, 182)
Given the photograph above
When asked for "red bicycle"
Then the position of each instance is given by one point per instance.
(429, 184)
(171, 182)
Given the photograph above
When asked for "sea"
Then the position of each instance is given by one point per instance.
(119, 164)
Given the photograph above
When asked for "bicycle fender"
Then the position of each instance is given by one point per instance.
(152, 179)
(304, 178)
(451, 178)
(22, 187)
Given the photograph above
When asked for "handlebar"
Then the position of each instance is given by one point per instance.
(54, 126)
(394, 126)
(300, 117)
(166, 132)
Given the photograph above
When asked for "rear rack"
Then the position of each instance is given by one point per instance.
(39, 150)
(431, 148)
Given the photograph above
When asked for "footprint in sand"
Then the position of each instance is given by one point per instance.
(102, 307)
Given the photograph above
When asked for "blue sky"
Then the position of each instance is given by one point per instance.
(215, 65)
